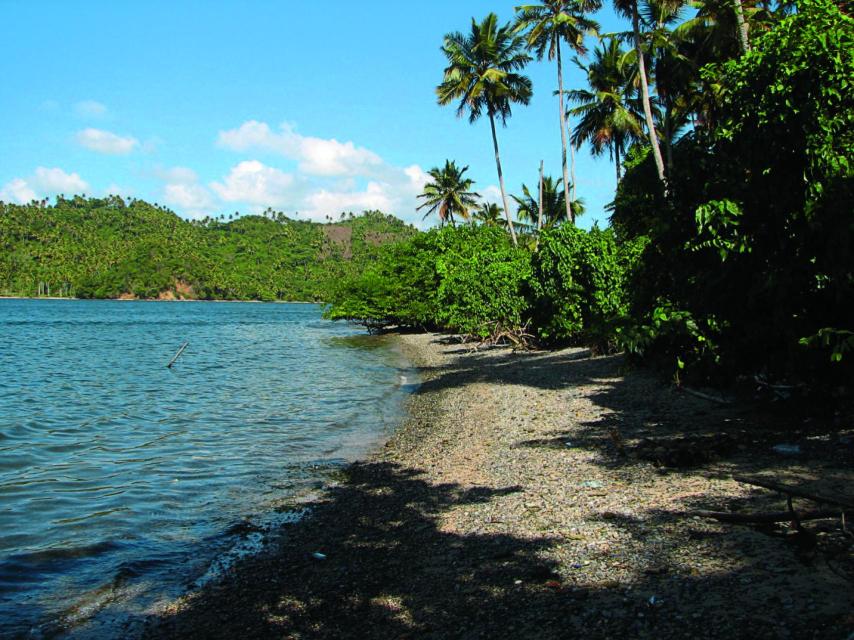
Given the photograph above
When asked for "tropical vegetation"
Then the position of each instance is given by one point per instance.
(111, 247)
(730, 246)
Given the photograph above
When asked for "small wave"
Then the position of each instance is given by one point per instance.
(252, 538)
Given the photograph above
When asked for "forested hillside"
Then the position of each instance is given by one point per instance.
(110, 248)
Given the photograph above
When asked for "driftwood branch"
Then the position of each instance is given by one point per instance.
(789, 490)
(704, 396)
(177, 355)
(768, 517)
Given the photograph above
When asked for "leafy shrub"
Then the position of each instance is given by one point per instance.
(579, 284)
(465, 279)
(482, 278)
(399, 289)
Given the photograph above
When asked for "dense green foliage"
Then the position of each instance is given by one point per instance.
(729, 254)
(471, 280)
(106, 248)
(731, 250)
(481, 282)
(751, 263)
(468, 279)
(580, 285)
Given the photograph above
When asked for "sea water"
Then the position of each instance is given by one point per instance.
(124, 483)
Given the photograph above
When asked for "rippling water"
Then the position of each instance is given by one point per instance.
(121, 481)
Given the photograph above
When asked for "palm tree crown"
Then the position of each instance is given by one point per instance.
(482, 68)
(608, 117)
(553, 21)
(554, 205)
(448, 194)
(489, 214)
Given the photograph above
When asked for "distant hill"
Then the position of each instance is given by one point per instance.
(112, 248)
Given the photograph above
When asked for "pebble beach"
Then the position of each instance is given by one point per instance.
(534, 495)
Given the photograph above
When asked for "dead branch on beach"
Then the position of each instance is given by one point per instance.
(792, 491)
(765, 517)
(518, 338)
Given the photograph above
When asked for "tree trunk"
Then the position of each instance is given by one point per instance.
(617, 159)
(563, 135)
(668, 139)
(647, 108)
(540, 197)
(742, 27)
(501, 181)
(572, 170)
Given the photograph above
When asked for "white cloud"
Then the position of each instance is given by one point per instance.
(57, 181)
(191, 197)
(181, 175)
(257, 184)
(44, 182)
(417, 177)
(183, 191)
(106, 141)
(90, 109)
(116, 190)
(492, 194)
(321, 203)
(17, 190)
(316, 156)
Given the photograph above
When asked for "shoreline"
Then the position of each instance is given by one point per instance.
(518, 500)
(154, 300)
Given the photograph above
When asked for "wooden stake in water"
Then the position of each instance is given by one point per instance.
(177, 355)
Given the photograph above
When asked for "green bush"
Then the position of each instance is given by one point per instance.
(579, 283)
(464, 279)
(399, 289)
(482, 279)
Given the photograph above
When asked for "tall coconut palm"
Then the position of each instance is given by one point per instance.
(448, 194)
(547, 26)
(554, 204)
(629, 8)
(608, 119)
(482, 73)
(674, 72)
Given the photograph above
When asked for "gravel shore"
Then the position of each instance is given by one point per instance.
(551, 495)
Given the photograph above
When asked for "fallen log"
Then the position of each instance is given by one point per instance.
(767, 517)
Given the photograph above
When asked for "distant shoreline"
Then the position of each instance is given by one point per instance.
(155, 300)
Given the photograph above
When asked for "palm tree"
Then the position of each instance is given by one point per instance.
(629, 8)
(674, 72)
(448, 193)
(489, 214)
(547, 25)
(554, 204)
(607, 118)
(482, 74)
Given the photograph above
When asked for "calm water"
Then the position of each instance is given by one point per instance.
(123, 482)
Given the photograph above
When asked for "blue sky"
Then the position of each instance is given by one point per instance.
(215, 107)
